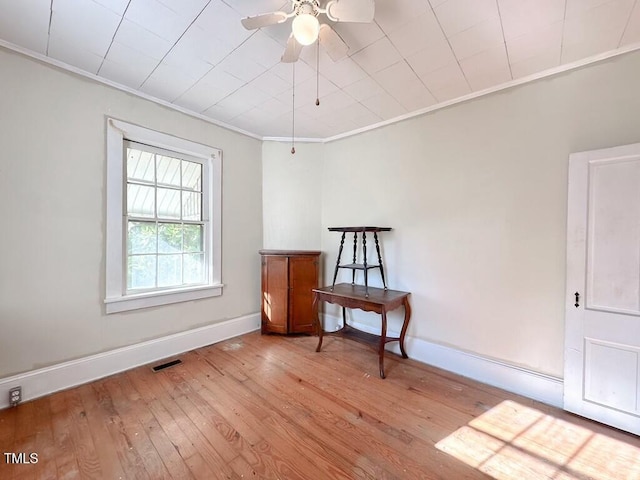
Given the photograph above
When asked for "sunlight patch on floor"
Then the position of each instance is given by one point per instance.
(514, 441)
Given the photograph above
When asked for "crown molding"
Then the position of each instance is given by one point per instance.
(487, 91)
(70, 68)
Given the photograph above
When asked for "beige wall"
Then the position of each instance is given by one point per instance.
(291, 195)
(52, 206)
(476, 195)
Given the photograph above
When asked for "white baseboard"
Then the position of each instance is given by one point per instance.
(538, 386)
(44, 381)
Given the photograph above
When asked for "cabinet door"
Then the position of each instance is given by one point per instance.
(303, 276)
(275, 293)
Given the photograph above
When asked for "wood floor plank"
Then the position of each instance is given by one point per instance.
(374, 445)
(66, 456)
(270, 407)
(98, 420)
(128, 456)
(135, 435)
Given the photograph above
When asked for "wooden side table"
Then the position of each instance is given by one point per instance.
(370, 299)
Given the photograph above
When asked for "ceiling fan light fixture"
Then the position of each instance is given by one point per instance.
(305, 28)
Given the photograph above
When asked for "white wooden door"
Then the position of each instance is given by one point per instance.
(602, 334)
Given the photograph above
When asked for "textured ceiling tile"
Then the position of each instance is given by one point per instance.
(392, 15)
(520, 17)
(444, 77)
(487, 68)
(535, 43)
(73, 54)
(537, 63)
(365, 88)
(632, 32)
(89, 26)
(377, 56)
(167, 83)
(458, 15)
(482, 36)
(116, 6)
(418, 34)
(358, 35)
(122, 57)
(199, 44)
(26, 23)
(431, 59)
(343, 73)
(142, 40)
(213, 87)
(384, 106)
(159, 19)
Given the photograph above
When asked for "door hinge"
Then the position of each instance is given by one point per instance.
(577, 304)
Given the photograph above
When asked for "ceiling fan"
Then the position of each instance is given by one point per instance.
(306, 29)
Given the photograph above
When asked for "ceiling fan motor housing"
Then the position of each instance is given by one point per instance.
(309, 7)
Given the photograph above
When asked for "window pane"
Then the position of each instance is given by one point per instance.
(141, 237)
(191, 175)
(191, 206)
(168, 203)
(169, 270)
(192, 238)
(140, 201)
(194, 268)
(140, 165)
(169, 238)
(141, 271)
(168, 170)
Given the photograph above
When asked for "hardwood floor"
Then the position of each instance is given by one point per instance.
(271, 407)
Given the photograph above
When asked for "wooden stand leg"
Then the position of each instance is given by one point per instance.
(319, 327)
(383, 338)
(405, 324)
(335, 272)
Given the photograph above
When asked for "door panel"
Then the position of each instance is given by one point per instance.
(602, 334)
(613, 243)
(275, 294)
(303, 273)
(611, 375)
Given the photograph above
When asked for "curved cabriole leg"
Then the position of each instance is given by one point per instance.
(383, 338)
(318, 322)
(405, 324)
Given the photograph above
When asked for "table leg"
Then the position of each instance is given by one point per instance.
(383, 338)
(318, 322)
(335, 272)
(405, 324)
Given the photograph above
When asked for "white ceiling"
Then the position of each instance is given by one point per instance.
(416, 54)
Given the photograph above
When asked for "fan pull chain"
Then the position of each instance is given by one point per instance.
(318, 72)
(293, 112)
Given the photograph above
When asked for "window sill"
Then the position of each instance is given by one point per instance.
(165, 297)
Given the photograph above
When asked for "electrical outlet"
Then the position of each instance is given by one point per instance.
(15, 396)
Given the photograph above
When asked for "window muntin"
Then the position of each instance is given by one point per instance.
(165, 226)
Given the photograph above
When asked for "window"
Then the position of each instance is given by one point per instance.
(163, 218)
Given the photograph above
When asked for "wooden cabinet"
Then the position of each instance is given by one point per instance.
(288, 276)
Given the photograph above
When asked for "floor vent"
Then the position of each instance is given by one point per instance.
(162, 366)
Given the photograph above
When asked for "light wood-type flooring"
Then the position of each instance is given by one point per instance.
(271, 407)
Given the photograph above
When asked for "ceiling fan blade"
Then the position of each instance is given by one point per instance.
(264, 20)
(332, 43)
(292, 51)
(357, 11)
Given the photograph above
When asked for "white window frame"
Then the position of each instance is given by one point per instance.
(116, 298)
